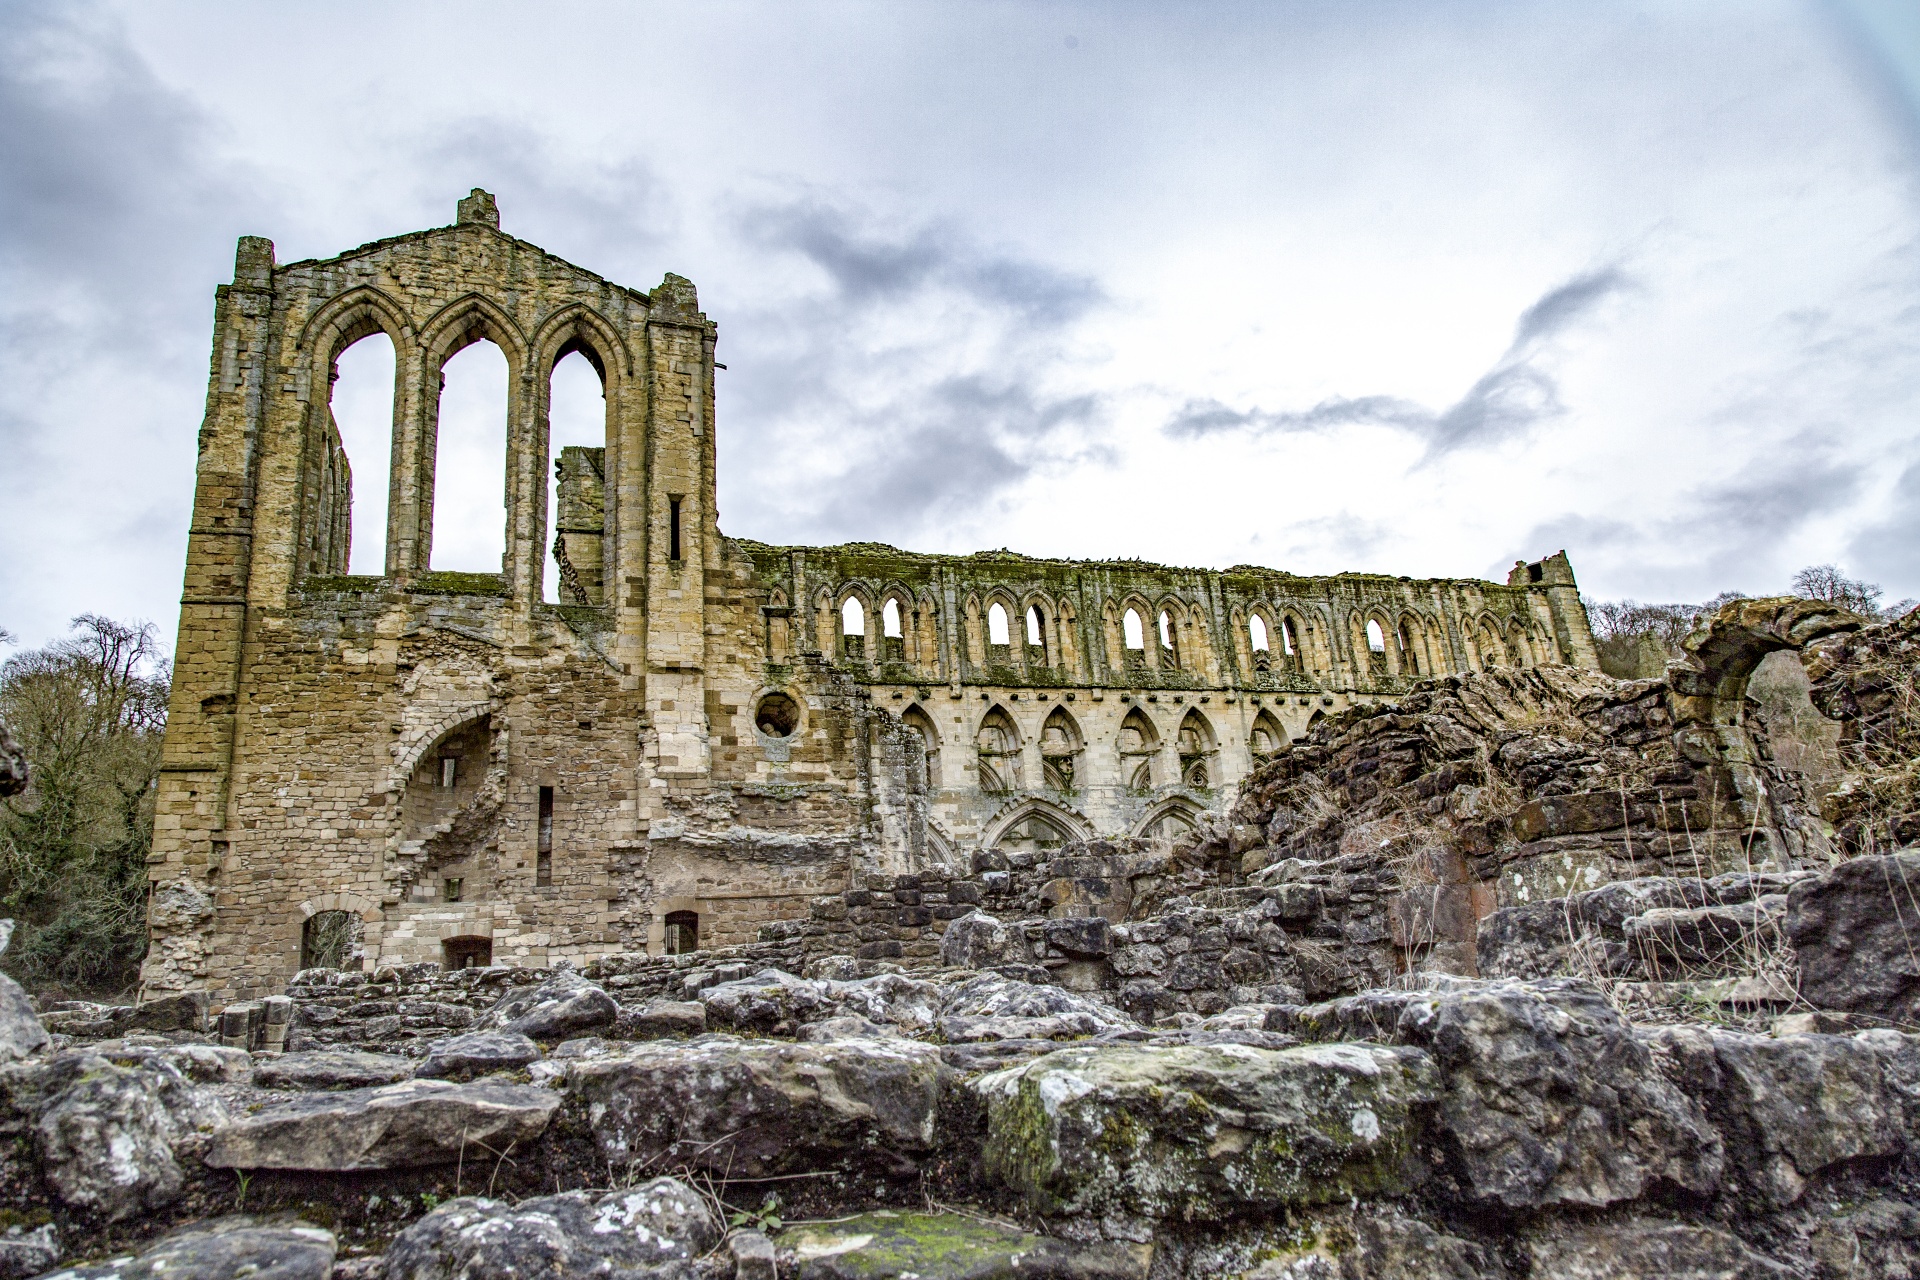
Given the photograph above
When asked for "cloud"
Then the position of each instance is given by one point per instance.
(1506, 401)
(866, 262)
(1730, 533)
(908, 381)
(118, 217)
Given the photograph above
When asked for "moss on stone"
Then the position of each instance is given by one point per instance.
(448, 583)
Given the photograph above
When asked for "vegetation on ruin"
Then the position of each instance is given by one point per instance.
(1636, 640)
(89, 711)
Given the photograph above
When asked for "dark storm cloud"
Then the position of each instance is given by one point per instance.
(1506, 401)
(866, 262)
(117, 218)
(107, 170)
(921, 372)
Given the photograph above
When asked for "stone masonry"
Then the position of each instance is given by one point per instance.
(709, 734)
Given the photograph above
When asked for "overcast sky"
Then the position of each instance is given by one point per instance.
(1412, 288)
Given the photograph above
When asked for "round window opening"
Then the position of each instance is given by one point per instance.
(778, 716)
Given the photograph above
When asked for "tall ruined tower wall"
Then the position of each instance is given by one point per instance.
(706, 733)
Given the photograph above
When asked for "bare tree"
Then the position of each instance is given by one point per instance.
(88, 712)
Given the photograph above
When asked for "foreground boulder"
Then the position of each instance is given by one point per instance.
(1640, 1248)
(757, 1108)
(331, 1069)
(21, 1034)
(1199, 1132)
(566, 1004)
(1794, 1106)
(106, 1142)
(1853, 933)
(1550, 1099)
(948, 1246)
(476, 1054)
(223, 1250)
(421, 1122)
(995, 1007)
(638, 1232)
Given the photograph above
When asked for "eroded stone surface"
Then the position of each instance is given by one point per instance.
(948, 1246)
(223, 1251)
(1201, 1132)
(764, 1107)
(332, 1069)
(420, 1122)
(649, 1230)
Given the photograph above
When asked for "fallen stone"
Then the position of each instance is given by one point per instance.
(1550, 1099)
(1670, 939)
(756, 1108)
(566, 1004)
(223, 1251)
(105, 1143)
(1794, 1106)
(1208, 1132)
(994, 1007)
(28, 1253)
(401, 1126)
(331, 1069)
(21, 1034)
(637, 1232)
(948, 1246)
(770, 1002)
(207, 1063)
(184, 1012)
(754, 1257)
(1639, 1249)
(890, 999)
(477, 1053)
(976, 941)
(662, 1018)
(1853, 933)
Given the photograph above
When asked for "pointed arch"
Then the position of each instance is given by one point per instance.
(1138, 746)
(997, 748)
(348, 317)
(1168, 820)
(1013, 824)
(1409, 637)
(1267, 737)
(1199, 751)
(326, 512)
(926, 633)
(466, 320)
(1487, 640)
(916, 719)
(1040, 638)
(856, 622)
(1517, 644)
(578, 327)
(1061, 747)
(1172, 646)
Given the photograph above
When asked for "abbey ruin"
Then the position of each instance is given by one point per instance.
(707, 733)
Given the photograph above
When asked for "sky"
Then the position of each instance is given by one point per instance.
(1417, 288)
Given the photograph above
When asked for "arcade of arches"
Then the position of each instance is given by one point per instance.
(635, 731)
